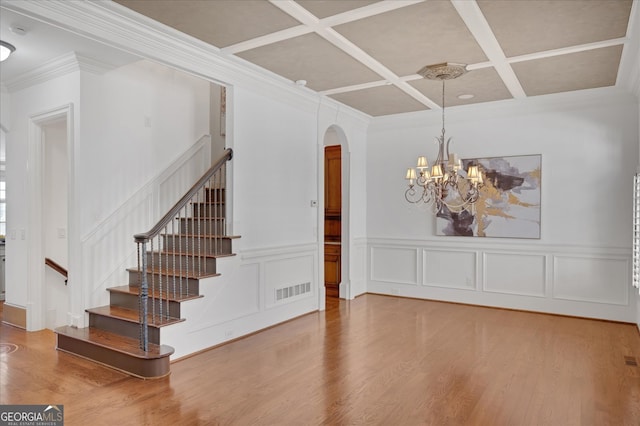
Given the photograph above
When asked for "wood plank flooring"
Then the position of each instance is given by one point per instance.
(376, 360)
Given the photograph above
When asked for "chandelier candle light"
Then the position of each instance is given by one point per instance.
(446, 185)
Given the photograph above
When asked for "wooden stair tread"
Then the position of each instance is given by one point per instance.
(115, 342)
(132, 316)
(184, 253)
(210, 236)
(127, 289)
(203, 218)
(178, 273)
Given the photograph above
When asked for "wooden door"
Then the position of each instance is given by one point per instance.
(332, 219)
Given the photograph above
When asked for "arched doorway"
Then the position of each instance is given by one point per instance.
(332, 220)
(335, 216)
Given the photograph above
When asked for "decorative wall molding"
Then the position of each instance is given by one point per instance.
(394, 264)
(562, 279)
(509, 108)
(269, 252)
(120, 27)
(514, 273)
(57, 67)
(242, 299)
(450, 269)
(501, 244)
(598, 278)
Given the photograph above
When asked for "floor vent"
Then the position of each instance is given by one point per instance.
(294, 290)
(629, 360)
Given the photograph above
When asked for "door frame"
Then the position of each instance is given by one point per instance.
(35, 258)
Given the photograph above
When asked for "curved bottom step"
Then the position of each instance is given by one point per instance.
(115, 351)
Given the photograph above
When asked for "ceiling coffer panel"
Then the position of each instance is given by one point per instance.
(565, 73)
(221, 22)
(484, 84)
(380, 100)
(311, 58)
(406, 39)
(523, 27)
(326, 8)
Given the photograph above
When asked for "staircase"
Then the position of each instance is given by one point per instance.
(182, 250)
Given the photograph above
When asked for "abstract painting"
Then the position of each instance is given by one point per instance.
(509, 203)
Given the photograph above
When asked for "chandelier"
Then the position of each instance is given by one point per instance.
(446, 184)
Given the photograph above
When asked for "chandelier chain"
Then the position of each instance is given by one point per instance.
(443, 108)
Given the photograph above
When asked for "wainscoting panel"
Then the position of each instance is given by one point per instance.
(583, 281)
(227, 300)
(522, 274)
(288, 279)
(452, 269)
(244, 298)
(592, 279)
(395, 265)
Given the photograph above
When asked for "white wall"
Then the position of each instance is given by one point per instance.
(25, 103)
(274, 172)
(135, 120)
(579, 266)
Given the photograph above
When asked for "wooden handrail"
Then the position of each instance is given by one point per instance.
(56, 267)
(210, 185)
(171, 214)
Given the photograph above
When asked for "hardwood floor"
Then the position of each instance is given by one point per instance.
(375, 360)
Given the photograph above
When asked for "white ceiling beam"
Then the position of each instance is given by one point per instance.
(367, 11)
(354, 87)
(267, 39)
(472, 16)
(567, 50)
(311, 23)
(301, 14)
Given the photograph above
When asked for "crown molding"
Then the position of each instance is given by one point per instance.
(117, 26)
(543, 104)
(57, 67)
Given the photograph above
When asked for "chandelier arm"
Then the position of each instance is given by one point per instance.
(470, 199)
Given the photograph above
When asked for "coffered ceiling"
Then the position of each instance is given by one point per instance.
(366, 53)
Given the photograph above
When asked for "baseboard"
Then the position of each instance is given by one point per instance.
(502, 308)
(15, 316)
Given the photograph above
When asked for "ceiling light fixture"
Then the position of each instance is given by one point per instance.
(6, 49)
(447, 185)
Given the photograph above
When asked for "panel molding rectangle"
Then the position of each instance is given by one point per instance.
(394, 265)
(287, 271)
(449, 269)
(591, 278)
(519, 273)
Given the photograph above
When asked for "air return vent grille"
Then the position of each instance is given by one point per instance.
(292, 291)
